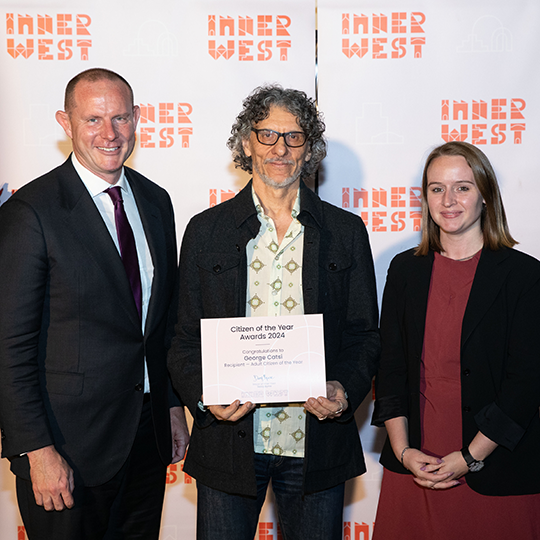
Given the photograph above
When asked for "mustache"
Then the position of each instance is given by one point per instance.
(278, 160)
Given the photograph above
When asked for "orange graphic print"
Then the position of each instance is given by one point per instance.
(483, 122)
(175, 473)
(355, 531)
(166, 125)
(224, 195)
(53, 37)
(396, 209)
(380, 37)
(267, 531)
(249, 39)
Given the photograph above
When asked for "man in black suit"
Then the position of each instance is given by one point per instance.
(86, 408)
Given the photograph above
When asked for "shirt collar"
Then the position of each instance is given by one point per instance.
(260, 210)
(94, 184)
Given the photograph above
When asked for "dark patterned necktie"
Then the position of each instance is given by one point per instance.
(128, 249)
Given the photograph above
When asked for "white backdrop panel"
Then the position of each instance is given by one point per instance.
(191, 63)
(397, 78)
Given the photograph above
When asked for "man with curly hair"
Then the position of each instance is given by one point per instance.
(277, 249)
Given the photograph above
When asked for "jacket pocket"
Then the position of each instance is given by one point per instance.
(337, 262)
(219, 275)
(217, 263)
(334, 271)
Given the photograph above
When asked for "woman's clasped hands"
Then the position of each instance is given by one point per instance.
(432, 472)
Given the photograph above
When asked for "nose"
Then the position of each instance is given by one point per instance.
(448, 198)
(108, 130)
(280, 148)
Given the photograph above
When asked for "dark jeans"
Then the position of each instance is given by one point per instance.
(315, 516)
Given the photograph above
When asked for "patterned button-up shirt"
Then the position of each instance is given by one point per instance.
(275, 288)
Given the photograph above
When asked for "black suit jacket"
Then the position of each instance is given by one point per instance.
(71, 346)
(338, 281)
(500, 364)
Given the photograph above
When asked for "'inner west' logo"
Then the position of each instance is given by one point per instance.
(173, 125)
(403, 36)
(483, 122)
(175, 473)
(223, 196)
(249, 39)
(403, 211)
(56, 43)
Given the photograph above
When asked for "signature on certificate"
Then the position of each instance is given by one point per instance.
(262, 378)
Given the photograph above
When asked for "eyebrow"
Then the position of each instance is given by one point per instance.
(456, 182)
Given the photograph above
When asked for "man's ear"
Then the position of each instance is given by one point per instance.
(62, 118)
(136, 115)
(247, 150)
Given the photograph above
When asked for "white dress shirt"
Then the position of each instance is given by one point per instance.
(96, 187)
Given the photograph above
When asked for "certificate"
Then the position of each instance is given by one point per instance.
(263, 359)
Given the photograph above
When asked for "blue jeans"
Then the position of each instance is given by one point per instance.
(315, 516)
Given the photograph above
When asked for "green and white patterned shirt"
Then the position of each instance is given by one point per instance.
(274, 287)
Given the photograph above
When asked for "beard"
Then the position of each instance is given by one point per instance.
(279, 185)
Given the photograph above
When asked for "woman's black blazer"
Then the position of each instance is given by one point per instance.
(500, 364)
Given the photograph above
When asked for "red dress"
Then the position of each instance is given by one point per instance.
(408, 511)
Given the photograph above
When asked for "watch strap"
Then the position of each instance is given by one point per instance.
(474, 465)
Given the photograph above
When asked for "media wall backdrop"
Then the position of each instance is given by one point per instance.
(393, 79)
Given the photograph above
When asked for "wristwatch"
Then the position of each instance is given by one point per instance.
(473, 464)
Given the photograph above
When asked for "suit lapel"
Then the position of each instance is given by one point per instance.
(418, 292)
(488, 280)
(84, 221)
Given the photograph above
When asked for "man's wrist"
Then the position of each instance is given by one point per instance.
(201, 406)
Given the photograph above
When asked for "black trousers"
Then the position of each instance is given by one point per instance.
(126, 507)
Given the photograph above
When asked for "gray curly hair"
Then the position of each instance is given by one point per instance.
(257, 107)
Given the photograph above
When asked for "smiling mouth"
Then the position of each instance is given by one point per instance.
(106, 149)
(278, 162)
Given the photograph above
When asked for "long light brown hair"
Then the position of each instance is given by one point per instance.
(493, 218)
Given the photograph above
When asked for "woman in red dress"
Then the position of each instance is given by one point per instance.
(459, 383)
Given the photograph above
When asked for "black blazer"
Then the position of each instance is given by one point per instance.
(71, 346)
(338, 281)
(500, 364)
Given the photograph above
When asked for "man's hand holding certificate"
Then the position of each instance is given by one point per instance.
(263, 359)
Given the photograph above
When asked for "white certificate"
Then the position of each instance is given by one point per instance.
(263, 359)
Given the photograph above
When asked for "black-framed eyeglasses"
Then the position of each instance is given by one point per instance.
(269, 137)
